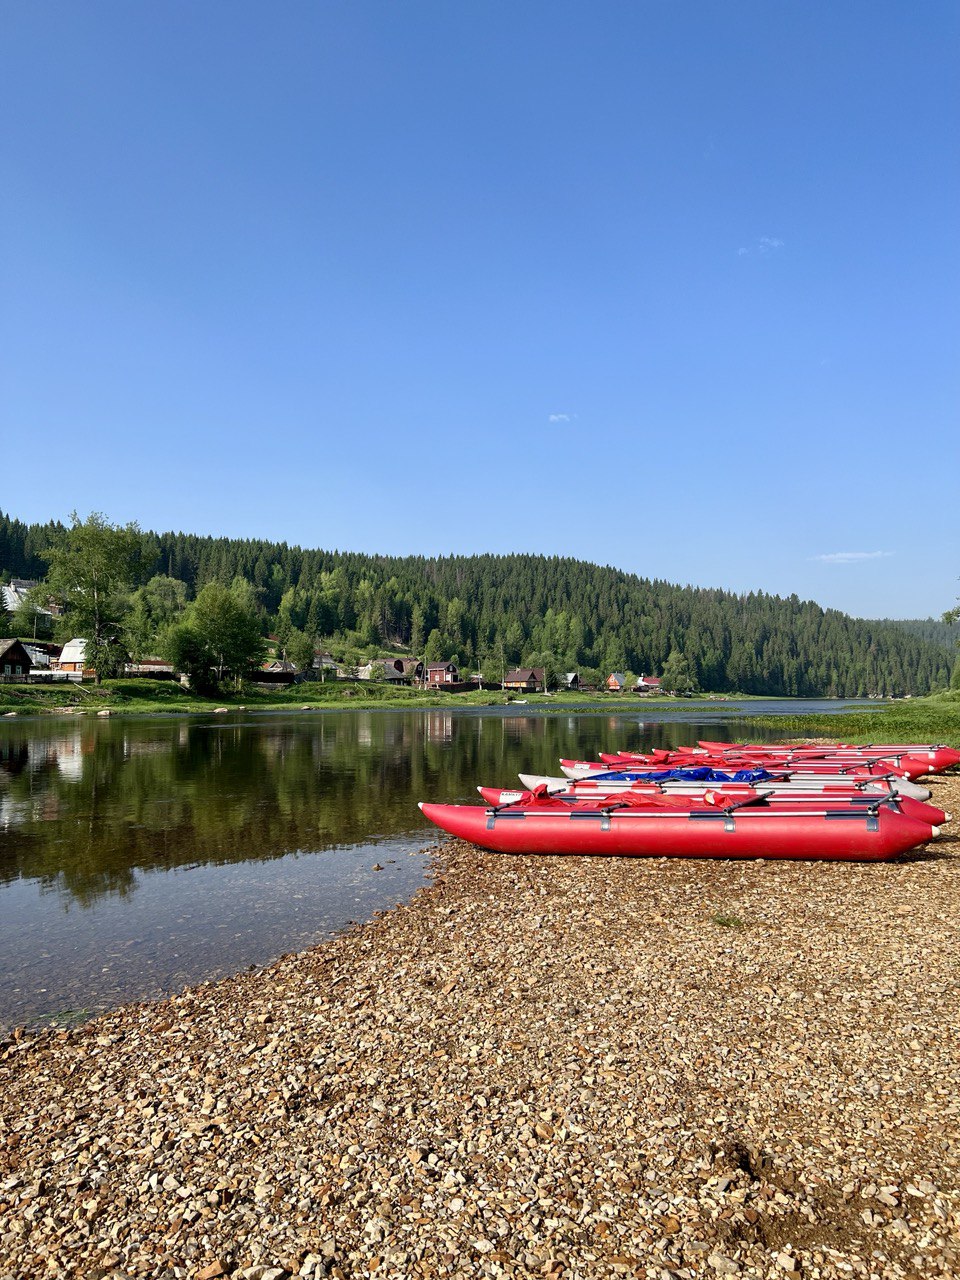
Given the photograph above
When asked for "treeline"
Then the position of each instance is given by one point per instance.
(933, 630)
(489, 611)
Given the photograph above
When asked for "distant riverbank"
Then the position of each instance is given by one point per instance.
(936, 718)
(140, 696)
(148, 696)
(933, 719)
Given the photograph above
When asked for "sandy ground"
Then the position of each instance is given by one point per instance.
(540, 1067)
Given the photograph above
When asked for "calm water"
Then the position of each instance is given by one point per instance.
(139, 855)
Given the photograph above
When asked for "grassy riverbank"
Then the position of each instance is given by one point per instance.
(933, 719)
(149, 696)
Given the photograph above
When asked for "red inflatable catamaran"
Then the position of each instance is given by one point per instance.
(877, 834)
(822, 803)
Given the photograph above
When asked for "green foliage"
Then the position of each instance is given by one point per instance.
(23, 547)
(726, 921)
(223, 628)
(31, 619)
(952, 616)
(183, 647)
(677, 675)
(300, 650)
(93, 567)
(157, 605)
(567, 614)
(933, 719)
(944, 632)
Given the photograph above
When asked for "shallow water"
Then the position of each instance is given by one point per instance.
(138, 855)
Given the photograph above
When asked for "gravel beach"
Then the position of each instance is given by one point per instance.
(578, 1067)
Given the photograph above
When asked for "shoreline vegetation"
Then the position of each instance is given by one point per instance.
(218, 608)
(141, 696)
(538, 1067)
(935, 718)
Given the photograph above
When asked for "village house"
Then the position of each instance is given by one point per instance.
(389, 669)
(14, 593)
(324, 663)
(14, 660)
(570, 680)
(524, 679)
(647, 684)
(41, 655)
(275, 671)
(403, 670)
(616, 682)
(72, 660)
(441, 673)
(150, 668)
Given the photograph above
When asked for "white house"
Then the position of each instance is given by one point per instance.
(73, 659)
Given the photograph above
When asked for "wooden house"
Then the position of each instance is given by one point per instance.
(72, 660)
(647, 684)
(324, 663)
(14, 660)
(152, 668)
(389, 669)
(524, 679)
(440, 673)
(40, 654)
(275, 671)
(616, 682)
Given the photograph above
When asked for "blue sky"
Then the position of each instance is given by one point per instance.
(669, 286)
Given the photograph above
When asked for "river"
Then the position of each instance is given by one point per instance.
(141, 854)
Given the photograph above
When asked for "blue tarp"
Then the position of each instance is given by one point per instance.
(702, 774)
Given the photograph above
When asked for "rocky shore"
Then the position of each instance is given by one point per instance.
(539, 1067)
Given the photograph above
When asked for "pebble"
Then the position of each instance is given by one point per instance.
(539, 1067)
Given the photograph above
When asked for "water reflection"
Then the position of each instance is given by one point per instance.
(198, 846)
(82, 806)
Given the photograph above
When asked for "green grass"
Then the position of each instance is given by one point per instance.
(726, 921)
(63, 1019)
(140, 696)
(933, 719)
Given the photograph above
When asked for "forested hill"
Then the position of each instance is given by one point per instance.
(562, 613)
(933, 630)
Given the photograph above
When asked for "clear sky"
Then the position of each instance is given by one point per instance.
(669, 286)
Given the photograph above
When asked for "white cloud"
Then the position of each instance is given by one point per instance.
(851, 557)
(562, 417)
(763, 247)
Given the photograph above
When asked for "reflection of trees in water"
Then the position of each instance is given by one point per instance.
(89, 806)
(13, 757)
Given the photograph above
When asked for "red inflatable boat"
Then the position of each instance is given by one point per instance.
(740, 830)
(710, 795)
